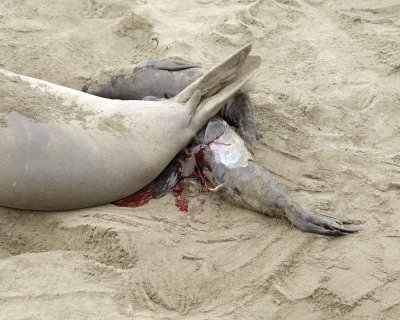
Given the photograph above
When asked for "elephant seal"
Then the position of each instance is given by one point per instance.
(87, 150)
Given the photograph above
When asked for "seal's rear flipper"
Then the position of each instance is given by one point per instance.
(225, 90)
(216, 75)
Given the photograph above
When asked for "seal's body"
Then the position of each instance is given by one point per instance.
(232, 167)
(94, 150)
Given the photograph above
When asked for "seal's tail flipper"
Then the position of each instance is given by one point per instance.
(221, 92)
(216, 75)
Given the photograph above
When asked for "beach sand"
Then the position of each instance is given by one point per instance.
(328, 105)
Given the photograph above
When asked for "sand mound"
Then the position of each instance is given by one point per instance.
(327, 104)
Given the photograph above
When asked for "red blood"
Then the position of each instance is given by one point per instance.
(201, 166)
(180, 202)
(144, 195)
(199, 155)
(137, 199)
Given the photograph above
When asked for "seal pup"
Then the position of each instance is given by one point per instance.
(87, 150)
(231, 166)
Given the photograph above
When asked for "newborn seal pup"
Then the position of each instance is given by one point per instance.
(65, 149)
(231, 166)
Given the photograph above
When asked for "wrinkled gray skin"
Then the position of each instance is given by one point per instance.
(163, 79)
(227, 157)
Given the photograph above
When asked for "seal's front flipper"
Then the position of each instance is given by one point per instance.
(170, 65)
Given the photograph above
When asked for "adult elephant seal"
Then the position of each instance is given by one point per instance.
(65, 149)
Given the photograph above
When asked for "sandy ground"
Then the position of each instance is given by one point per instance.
(328, 105)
